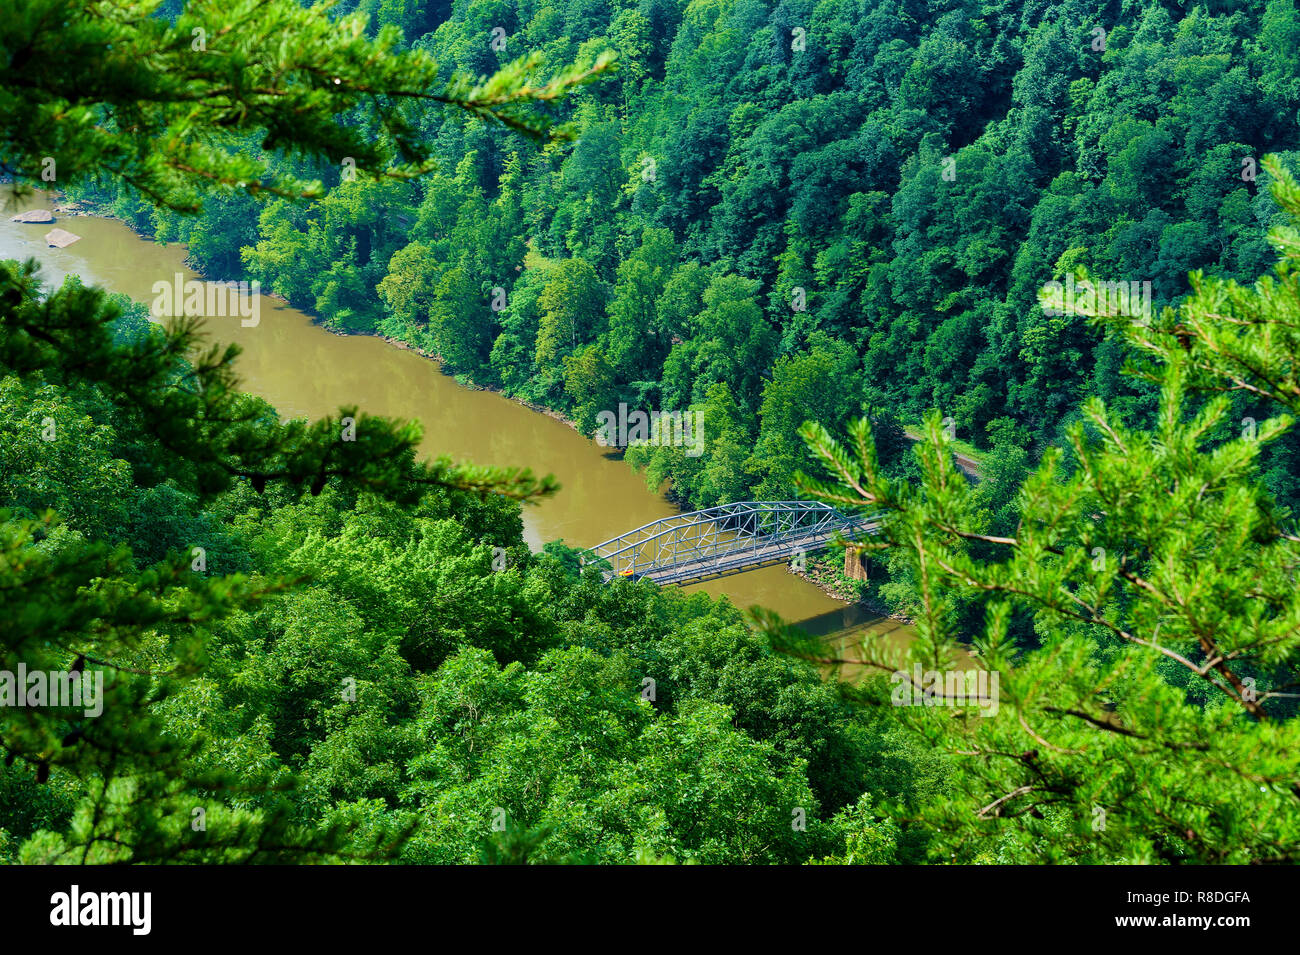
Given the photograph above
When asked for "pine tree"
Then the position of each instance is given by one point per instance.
(1155, 719)
(178, 107)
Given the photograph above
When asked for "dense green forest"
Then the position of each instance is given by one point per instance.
(784, 211)
(839, 213)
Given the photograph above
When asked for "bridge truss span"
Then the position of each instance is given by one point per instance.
(725, 539)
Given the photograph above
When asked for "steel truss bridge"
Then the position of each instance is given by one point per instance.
(723, 540)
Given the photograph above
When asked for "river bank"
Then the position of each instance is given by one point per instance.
(826, 574)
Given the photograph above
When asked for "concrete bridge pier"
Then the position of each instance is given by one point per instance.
(855, 568)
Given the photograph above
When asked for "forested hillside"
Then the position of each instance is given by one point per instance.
(806, 222)
(782, 211)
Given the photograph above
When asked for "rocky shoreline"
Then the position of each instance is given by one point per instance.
(822, 574)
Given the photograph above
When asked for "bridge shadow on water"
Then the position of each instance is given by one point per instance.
(849, 620)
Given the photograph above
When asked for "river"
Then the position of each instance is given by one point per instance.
(304, 370)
